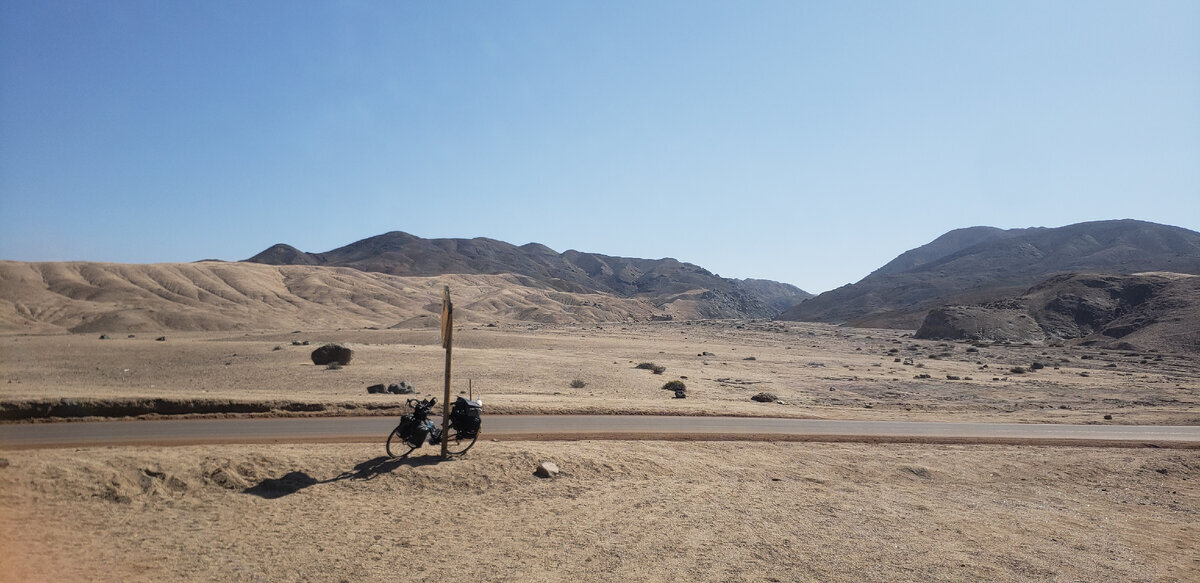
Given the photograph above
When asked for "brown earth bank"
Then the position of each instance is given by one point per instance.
(618, 511)
(811, 370)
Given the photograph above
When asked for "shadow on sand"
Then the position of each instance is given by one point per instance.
(293, 482)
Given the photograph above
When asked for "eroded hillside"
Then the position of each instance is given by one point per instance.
(210, 295)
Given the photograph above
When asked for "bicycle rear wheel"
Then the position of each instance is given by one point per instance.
(457, 444)
(396, 444)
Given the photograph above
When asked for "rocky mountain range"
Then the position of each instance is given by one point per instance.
(677, 288)
(977, 265)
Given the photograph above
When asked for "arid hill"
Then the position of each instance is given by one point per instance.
(111, 297)
(660, 282)
(983, 264)
(1136, 312)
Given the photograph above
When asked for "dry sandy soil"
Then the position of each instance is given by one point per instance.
(619, 511)
(816, 370)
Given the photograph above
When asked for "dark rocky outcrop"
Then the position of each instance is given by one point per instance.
(1142, 311)
(331, 353)
(994, 323)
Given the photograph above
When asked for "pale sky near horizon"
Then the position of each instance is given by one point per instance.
(805, 142)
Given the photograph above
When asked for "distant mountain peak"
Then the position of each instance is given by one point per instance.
(667, 283)
(975, 264)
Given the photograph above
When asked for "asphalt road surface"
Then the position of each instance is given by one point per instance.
(576, 427)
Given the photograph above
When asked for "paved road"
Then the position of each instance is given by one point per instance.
(518, 427)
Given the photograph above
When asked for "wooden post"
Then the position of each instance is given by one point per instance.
(447, 341)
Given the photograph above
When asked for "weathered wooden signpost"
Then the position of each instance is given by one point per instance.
(447, 336)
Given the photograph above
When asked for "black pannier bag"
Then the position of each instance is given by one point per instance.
(464, 416)
(413, 431)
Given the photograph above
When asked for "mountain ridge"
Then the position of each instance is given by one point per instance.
(658, 281)
(979, 264)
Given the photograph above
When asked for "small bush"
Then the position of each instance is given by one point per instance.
(578, 384)
(674, 386)
(951, 377)
(1017, 370)
(646, 366)
(1037, 366)
(972, 349)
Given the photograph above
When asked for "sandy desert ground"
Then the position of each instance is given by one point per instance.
(815, 370)
(652, 511)
(619, 511)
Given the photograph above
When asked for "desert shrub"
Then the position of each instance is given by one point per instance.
(646, 366)
(674, 386)
(951, 377)
(972, 349)
(1037, 366)
(578, 384)
(1017, 370)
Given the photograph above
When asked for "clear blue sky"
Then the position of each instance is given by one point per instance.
(806, 142)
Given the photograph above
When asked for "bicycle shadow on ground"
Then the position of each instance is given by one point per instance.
(292, 482)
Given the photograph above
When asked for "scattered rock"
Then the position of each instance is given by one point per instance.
(331, 353)
(749, 358)
(764, 398)
(546, 470)
(1108, 417)
(680, 394)
(403, 388)
(104, 336)
(161, 339)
